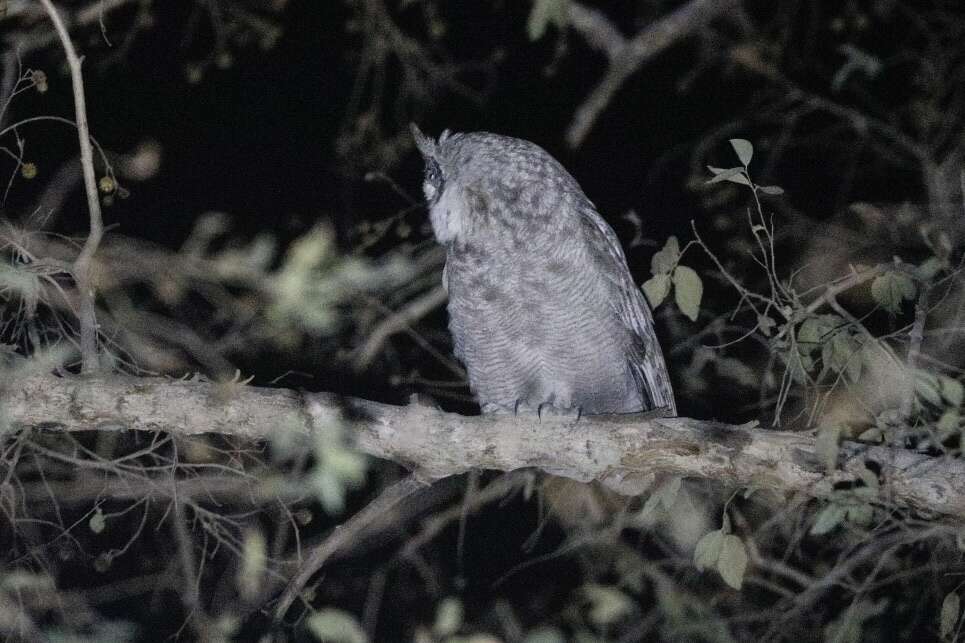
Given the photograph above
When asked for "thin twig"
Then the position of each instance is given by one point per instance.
(916, 337)
(345, 534)
(82, 265)
(625, 60)
(396, 322)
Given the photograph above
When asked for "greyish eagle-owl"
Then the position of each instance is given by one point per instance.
(542, 307)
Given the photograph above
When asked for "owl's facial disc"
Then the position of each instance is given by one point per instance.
(432, 186)
(430, 191)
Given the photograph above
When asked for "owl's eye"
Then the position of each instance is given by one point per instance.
(432, 185)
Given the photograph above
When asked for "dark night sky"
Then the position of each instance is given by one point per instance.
(257, 140)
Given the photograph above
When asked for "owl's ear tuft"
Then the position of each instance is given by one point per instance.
(425, 144)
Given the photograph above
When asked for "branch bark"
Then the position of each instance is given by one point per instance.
(623, 452)
(82, 265)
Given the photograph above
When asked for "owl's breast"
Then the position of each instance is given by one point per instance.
(539, 327)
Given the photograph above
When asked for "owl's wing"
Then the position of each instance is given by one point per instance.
(646, 361)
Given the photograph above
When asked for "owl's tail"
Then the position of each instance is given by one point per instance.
(652, 378)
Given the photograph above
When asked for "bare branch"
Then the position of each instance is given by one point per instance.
(623, 452)
(396, 322)
(344, 535)
(915, 337)
(626, 57)
(82, 265)
(596, 29)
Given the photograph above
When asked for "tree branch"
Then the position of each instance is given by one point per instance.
(82, 265)
(397, 322)
(623, 452)
(626, 56)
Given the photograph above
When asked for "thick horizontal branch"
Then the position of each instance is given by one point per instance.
(624, 452)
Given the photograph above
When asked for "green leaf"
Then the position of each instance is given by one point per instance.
(744, 150)
(722, 170)
(928, 387)
(631, 571)
(951, 609)
(672, 602)
(828, 518)
(799, 364)
(24, 282)
(766, 324)
(733, 561)
(840, 354)
(949, 423)
(349, 466)
(929, 268)
(20, 581)
(97, 522)
(608, 604)
(853, 366)
(545, 13)
(891, 288)
(645, 517)
(772, 190)
(733, 174)
(734, 369)
(449, 617)
(869, 478)
(826, 446)
(335, 626)
(254, 556)
(849, 626)
(809, 334)
(665, 495)
(656, 289)
(814, 332)
(665, 259)
(329, 489)
(668, 492)
(688, 290)
(860, 514)
(707, 551)
(545, 634)
(951, 390)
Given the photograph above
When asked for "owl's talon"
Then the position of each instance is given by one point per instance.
(499, 409)
(563, 412)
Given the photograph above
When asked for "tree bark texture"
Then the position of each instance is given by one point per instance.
(624, 452)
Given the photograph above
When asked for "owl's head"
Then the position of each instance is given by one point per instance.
(481, 183)
(450, 215)
(434, 181)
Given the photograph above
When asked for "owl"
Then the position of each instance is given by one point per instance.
(542, 308)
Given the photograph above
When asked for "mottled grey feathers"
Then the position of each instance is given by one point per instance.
(542, 307)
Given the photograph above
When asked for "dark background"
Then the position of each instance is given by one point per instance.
(260, 139)
(264, 141)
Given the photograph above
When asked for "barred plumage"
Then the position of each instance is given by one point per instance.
(542, 307)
